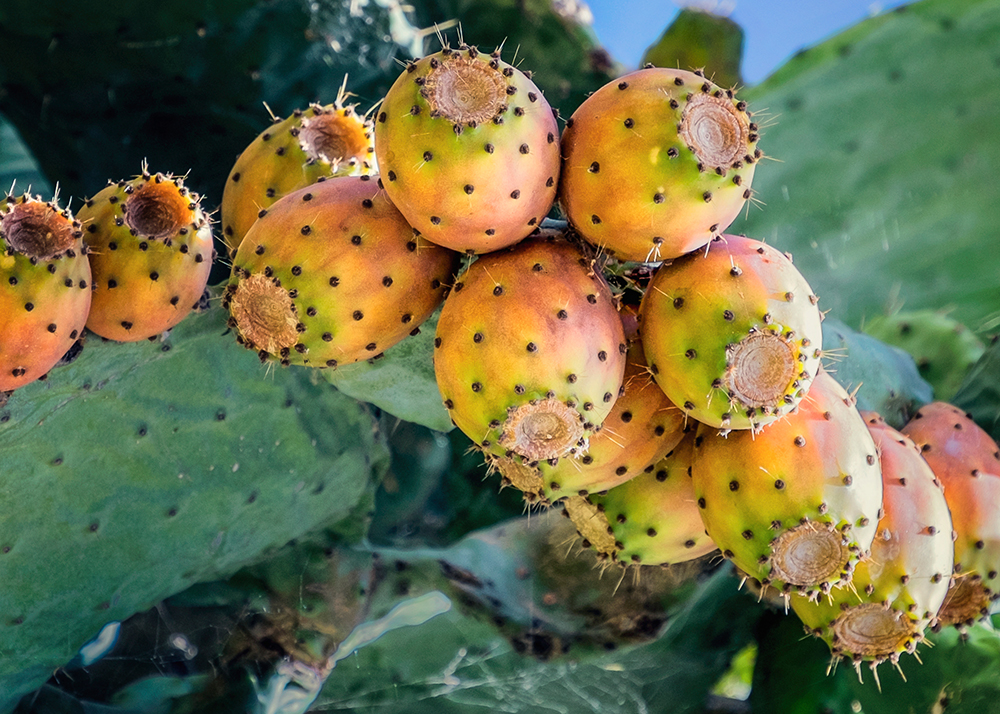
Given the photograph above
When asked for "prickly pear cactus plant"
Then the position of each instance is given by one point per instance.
(530, 351)
(333, 274)
(151, 251)
(47, 292)
(967, 462)
(320, 141)
(657, 163)
(896, 592)
(732, 334)
(468, 149)
(796, 505)
(650, 520)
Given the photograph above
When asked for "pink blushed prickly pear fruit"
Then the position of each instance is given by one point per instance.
(468, 150)
(312, 144)
(967, 461)
(732, 334)
(530, 351)
(46, 293)
(657, 163)
(896, 591)
(332, 274)
(796, 504)
(151, 251)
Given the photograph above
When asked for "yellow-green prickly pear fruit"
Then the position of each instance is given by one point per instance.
(151, 250)
(46, 291)
(897, 591)
(657, 163)
(795, 505)
(468, 150)
(318, 142)
(732, 333)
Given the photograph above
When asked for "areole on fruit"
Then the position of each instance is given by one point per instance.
(810, 553)
(36, 229)
(465, 91)
(541, 430)
(264, 313)
(759, 369)
(714, 130)
(156, 210)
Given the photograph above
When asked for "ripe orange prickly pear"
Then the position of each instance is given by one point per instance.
(651, 519)
(151, 252)
(468, 150)
(967, 461)
(46, 292)
(897, 592)
(796, 504)
(732, 334)
(657, 163)
(530, 351)
(332, 274)
(314, 143)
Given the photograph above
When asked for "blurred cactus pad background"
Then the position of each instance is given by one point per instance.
(186, 530)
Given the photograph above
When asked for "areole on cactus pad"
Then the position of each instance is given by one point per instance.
(47, 292)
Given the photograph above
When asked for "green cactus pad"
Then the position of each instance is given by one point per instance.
(943, 348)
(140, 469)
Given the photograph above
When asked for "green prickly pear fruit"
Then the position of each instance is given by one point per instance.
(641, 428)
(657, 163)
(794, 506)
(468, 150)
(733, 334)
(967, 461)
(651, 519)
(897, 591)
(943, 348)
(530, 351)
(46, 280)
(332, 274)
(151, 251)
(311, 144)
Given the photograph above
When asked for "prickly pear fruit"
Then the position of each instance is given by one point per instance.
(943, 348)
(332, 274)
(530, 351)
(468, 150)
(657, 163)
(151, 251)
(313, 143)
(733, 334)
(651, 520)
(795, 505)
(641, 428)
(897, 592)
(967, 461)
(46, 280)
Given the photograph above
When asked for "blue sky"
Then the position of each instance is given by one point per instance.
(774, 29)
